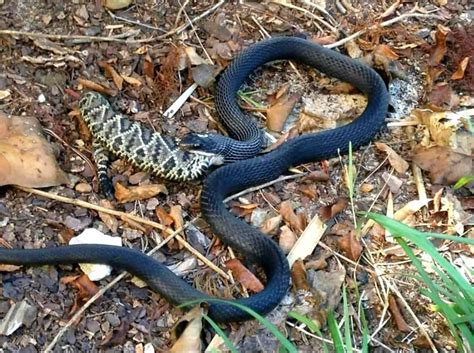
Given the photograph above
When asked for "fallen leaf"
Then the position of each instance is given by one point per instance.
(298, 276)
(86, 290)
(350, 245)
(397, 162)
(87, 84)
(329, 211)
(118, 80)
(148, 67)
(278, 112)
(132, 81)
(176, 212)
(441, 131)
(442, 97)
(189, 330)
(9, 268)
(397, 315)
(244, 276)
(4, 94)
(444, 165)
(366, 188)
(439, 49)
(217, 30)
(309, 190)
(193, 57)
(134, 193)
(409, 209)
(110, 221)
(391, 9)
(287, 239)
(317, 175)
(353, 50)
(271, 225)
(26, 158)
(308, 240)
(163, 216)
(384, 55)
(459, 73)
(205, 74)
(289, 216)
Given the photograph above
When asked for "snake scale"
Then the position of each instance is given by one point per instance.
(244, 143)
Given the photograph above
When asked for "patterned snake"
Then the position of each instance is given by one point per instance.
(244, 143)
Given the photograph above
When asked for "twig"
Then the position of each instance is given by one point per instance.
(382, 24)
(308, 13)
(104, 289)
(124, 215)
(180, 11)
(204, 14)
(138, 23)
(258, 187)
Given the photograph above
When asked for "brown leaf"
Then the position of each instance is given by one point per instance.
(86, 290)
(271, 225)
(384, 55)
(439, 49)
(444, 165)
(441, 133)
(298, 276)
(244, 276)
(176, 212)
(281, 109)
(366, 188)
(397, 315)
(134, 193)
(190, 327)
(442, 97)
(163, 216)
(350, 245)
(26, 157)
(289, 216)
(329, 211)
(287, 239)
(397, 162)
(132, 81)
(459, 74)
(110, 221)
(97, 87)
(148, 67)
(118, 80)
(317, 175)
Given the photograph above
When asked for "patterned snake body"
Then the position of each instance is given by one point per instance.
(233, 177)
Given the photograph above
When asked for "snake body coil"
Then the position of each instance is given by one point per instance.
(239, 175)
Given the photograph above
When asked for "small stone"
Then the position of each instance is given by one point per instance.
(93, 326)
(117, 4)
(41, 98)
(83, 188)
(113, 319)
(152, 203)
(366, 187)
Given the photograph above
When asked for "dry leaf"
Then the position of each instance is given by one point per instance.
(4, 94)
(9, 268)
(459, 74)
(440, 47)
(444, 165)
(134, 193)
(97, 87)
(87, 289)
(289, 216)
(110, 221)
(193, 57)
(244, 276)
(190, 338)
(329, 211)
(287, 239)
(442, 97)
(391, 9)
(409, 209)
(278, 113)
(397, 162)
(366, 188)
(118, 80)
(298, 276)
(26, 158)
(397, 315)
(271, 225)
(148, 67)
(176, 212)
(384, 55)
(440, 132)
(132, 81)
(163, 216)
(350, 245)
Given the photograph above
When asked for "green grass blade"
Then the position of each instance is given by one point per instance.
(310, 324)
(222, 334)
(335, 334)
(347, 326)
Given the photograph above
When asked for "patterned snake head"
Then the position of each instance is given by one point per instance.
(91, 100)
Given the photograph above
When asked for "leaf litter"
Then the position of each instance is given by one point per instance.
(427, 67)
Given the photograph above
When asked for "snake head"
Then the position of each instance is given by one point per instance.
(202, 143)
(91, 100)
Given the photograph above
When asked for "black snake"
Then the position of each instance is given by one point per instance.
(242, 174)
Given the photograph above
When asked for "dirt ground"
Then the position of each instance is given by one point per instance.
(143, 58)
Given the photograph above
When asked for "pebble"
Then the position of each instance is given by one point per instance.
(113, 319)
(152, 203)
(83, 188)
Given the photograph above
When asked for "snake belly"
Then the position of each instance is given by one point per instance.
(242, 237)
